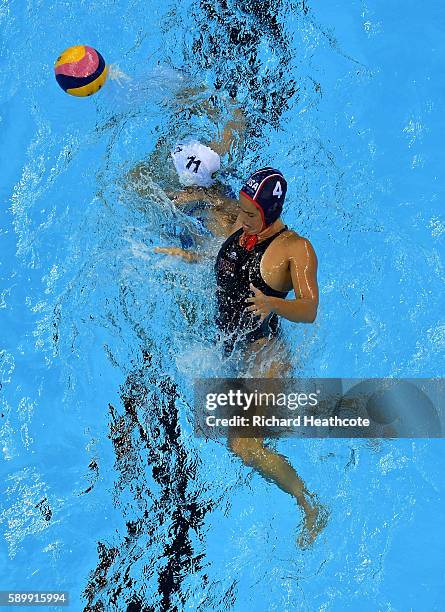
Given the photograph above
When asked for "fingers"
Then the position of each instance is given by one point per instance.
(257, 295)
(258, 302)
(256, 310)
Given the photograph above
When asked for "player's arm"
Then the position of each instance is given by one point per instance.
(189, 194)
(213, 196)
(303, 268)
(232, 134)
(190, 256)
(206, 252)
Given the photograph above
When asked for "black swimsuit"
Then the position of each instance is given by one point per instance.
(235, 269)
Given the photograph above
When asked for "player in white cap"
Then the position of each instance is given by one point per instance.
(195, 163)
(193, 174)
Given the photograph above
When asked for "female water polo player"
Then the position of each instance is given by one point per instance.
(260, 262)
(192, 177)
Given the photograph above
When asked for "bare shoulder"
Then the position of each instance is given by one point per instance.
(298, 246)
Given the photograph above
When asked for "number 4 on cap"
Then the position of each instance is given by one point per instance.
(277, 191)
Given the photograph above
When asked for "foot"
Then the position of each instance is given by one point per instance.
(315, 520)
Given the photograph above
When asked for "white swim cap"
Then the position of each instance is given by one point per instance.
(195, 163)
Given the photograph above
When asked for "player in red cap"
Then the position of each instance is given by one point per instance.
(257, 266)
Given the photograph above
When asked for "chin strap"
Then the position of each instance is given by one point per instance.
(248, 241)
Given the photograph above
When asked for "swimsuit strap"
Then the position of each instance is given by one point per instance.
(265, 243)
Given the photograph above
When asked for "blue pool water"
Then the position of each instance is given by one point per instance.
(105, 491)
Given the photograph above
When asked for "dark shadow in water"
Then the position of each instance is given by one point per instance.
(227, 42)
(157, 441)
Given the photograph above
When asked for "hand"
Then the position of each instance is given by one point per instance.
(261, 304)
(178, 252)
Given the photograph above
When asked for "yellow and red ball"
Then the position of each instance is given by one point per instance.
(80, 70)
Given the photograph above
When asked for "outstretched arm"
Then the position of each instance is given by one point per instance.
(190, 256)
(207, 252)
(233, 132)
